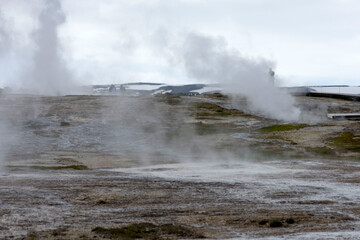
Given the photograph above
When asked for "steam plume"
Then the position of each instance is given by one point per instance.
(4, 37)
(208, 59)
(49, 74)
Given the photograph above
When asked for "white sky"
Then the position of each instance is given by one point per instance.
(112, 41)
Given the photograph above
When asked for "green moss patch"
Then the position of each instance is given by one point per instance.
(211, 109)
(64, 124)
(205, 129)
(280, 128)
(346, 140)
(216, 96)
(321, 151)
(168, 99)
(145, 230)
(204, 110)
(275, 223)
(101, 202)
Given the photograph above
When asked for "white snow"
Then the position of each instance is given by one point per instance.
(162, 92)
(338, 90)
(142, 87)
(206, 89)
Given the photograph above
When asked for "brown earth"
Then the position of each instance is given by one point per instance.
(199, 165)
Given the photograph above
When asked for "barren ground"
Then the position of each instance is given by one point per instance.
(76, 163)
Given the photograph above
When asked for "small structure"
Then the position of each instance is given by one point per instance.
(345, 116)
(122, 88)
(271, 76)
(112, 88)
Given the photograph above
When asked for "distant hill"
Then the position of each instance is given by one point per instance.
(158, 88)
(149, 88)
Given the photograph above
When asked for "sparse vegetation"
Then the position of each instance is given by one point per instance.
(263, 222)
(205, 110)
(145, 230)
(290, 221)
(69, 167)
(274, 137)
(168, 99)
(203, 128)
(31, 236)
(275, 223)
(347, 141)
(64, 124)
(321, 151)
(211, 109)
(280, 128)
(58, 232)
(101, 202)
(216, 96)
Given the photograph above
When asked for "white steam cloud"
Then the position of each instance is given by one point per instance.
(207, 58)
(49, 74)
(4, 37)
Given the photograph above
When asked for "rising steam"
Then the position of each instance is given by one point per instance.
(4, 37)
(49, 74)
(208, 59)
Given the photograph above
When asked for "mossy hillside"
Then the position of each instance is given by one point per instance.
(205, 129)
(280, 128)
(321, 151)
(168, 99)
(206, 109)
(210, 109)
(279, 138)
(215, 96)
(347, 141)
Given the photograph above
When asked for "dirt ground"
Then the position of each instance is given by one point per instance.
(75, 164)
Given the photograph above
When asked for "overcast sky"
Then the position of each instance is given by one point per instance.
(113, 41)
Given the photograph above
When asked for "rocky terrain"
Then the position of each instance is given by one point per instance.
(176, 167)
